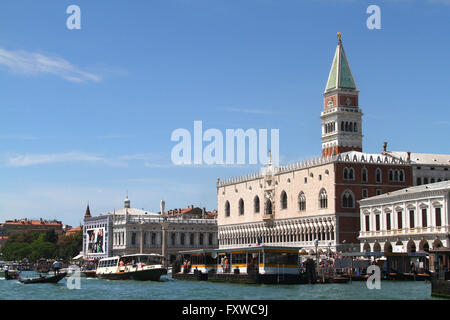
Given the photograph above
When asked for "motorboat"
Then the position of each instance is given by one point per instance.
(132, 267)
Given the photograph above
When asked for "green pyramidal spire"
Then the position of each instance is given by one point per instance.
(340, 74)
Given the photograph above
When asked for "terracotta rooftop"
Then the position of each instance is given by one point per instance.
(32, 222)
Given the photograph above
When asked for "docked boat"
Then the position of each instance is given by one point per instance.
(131, 267)
(50, 279)
(255, 265)
(89, 269)
(12, 275)
(90, 273)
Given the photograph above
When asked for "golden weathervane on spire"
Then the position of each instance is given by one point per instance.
(339, 36)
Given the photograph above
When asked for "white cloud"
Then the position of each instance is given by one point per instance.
(24, 62)
(27, 160)
(36, 159)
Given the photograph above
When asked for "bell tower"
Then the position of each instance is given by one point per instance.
(341, 116)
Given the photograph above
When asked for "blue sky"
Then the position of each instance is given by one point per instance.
(88, 114)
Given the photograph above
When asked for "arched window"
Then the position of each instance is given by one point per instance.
(348, 199)
(301, 202)
(396, 175)
(191, 239)
(256, 204)
(391, 176)
(241, 207)
(364, 174)
(355, 127)
(227, 209)
(401, 175)
(342, 126)
(378, 175)
(345, 174)
(323, 199)
(351, 174)
(283, 200)
(268, 209)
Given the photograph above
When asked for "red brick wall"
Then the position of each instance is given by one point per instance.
(356, 186)
(348, 229)
(328, 152)
(342, 99)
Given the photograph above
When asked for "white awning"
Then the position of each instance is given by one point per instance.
(78, 257)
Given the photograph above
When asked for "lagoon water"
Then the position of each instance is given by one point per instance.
(169, 289)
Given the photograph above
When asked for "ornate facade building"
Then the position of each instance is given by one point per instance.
(318, 199)
(130, 230)
(412, 219)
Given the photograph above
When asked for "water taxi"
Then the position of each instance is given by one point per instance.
(256, 264)
(131, 267)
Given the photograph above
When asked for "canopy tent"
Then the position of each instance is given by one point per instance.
(78, 257)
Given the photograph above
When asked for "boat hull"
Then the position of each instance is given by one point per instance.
(52, 279)
(90, 274)
(142, 275)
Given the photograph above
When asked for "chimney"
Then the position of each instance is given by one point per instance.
(384, 147)
(203, 213)
(409, 157)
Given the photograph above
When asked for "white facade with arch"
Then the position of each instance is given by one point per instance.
(417, 217)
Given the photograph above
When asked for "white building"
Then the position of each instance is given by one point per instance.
(130, 230)
(409, 220)
(427, 167)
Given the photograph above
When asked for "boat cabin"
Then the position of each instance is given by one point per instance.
(129, 263)
(260, 259)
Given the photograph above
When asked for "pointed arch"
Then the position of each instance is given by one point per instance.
(301, 201)
(268, 207)
(323, 199)
(283, 200)
(241, 207)
(348, 199)
(366, 247)
(376, 247)
(378, 175)
(227, 209)
(256, 204)
(411, 246)
(364, 175)
(387, 247)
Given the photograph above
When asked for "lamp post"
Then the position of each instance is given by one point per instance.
(164, 225)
